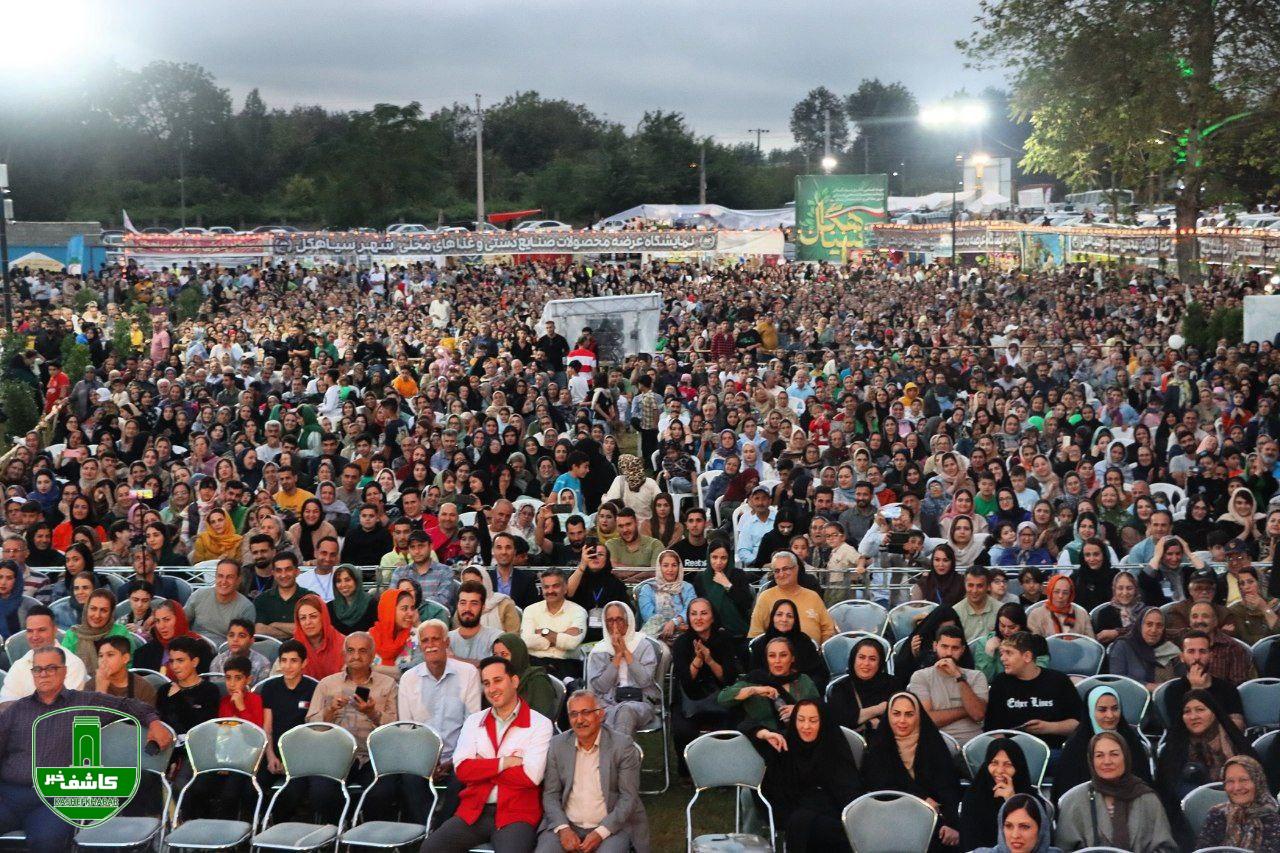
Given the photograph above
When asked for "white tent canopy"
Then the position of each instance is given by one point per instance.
(709, 214)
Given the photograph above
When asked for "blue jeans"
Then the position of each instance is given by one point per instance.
(21, 808)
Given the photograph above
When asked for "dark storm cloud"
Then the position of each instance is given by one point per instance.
(726, 66)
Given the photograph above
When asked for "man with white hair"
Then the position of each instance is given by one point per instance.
(442, 691)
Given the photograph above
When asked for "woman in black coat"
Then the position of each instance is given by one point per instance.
(1002, 774)
(810, 776)
(907, 754)
(784, 621)
(859, 701)
(704, 660)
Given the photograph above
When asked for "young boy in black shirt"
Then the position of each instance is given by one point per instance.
(1042, 702)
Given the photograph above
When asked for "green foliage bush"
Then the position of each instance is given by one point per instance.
(75, 360)
(20, 408)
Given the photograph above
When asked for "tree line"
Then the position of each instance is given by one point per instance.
(140, 139)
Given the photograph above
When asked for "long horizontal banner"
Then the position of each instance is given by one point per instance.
(1049, 245)
(402, 247)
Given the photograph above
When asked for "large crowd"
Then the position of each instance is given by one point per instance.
(369, 496)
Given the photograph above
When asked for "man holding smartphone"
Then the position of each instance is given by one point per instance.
(359, 700)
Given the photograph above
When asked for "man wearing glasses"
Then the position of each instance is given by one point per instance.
(591, 790)
(20, 807)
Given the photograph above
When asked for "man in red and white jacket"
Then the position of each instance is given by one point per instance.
(500, 758)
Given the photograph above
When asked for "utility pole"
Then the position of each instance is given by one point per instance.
(702, 173)
(479, 164)
(757, 131)
(826, 133)
(6, 210)
(182, 184)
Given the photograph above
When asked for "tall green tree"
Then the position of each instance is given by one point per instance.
(885, 115)
(808, 122)
(1121, 90)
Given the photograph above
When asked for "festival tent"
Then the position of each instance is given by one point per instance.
(710, 215)
(36, 261)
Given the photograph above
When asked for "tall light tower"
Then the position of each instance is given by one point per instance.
(955, 116)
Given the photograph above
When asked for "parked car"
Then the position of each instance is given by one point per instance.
(543, 225)
(221, 229)
(155, 229)
(408, 228)
(274, 229)
(192, 231)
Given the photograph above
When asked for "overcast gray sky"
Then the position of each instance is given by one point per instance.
(728, 66)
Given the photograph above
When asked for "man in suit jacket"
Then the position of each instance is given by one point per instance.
(591, 789)
(507, 577)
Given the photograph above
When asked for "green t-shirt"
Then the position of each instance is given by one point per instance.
(271, 607)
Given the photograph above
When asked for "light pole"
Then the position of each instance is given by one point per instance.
(479, 164)
(6, 211)
(950, 116)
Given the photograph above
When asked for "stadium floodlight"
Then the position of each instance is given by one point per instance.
(45, 35)
(828, 163)
(956, 114)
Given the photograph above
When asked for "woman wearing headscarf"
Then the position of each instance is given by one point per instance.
(1250, 819)
(810, 776)
(1117, 617)
(632, 487)
(1144, 653)
(907, 753)
(1094, 575)
(784, 621)
(1060, 614)
(218, 540)
(1002, 776)
(961, 505)
(623, 668)
(1103, 714)
(965, 541)
(592, 585)
(312, 628)
(96, 621)
(704, 660)
(859, 701)
(1240, 521)
(917, 652)
(352, 608)
(1116, 808)
(728, 590)
(942, 584)
(1010, 619)
(1087, 527)
(309, 529)
(310, 432)
(170, 621)
(393, 634)
(1007, 510)
(500, 610)
(160, 542)
(1022, 826)
(13, 607)
(1200, 739)
(767, 695)
(664, 602)
(535, 688)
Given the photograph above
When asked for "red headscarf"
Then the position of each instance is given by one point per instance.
(181, 628)
(328, 657)
(1065, 619)
(388, 638)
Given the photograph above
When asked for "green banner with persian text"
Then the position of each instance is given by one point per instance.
(835, 214)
